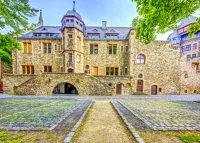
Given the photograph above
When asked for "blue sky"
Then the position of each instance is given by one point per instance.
(93, 12)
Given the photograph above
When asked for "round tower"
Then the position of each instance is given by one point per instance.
(72, 41)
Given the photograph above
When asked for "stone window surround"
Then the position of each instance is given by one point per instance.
(141, 59)
(70, 36)
(47, 68)
(48, 49)
(28, 69)
(188, 47)
(112, 49)
(78, 57)
(27, 48)
(109, 71)
(94, 49)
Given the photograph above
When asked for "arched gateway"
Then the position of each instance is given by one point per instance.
(65, 88)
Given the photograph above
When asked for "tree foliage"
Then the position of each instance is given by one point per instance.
(7, 43)
(161, 16)
(194, 27)
(14, 14)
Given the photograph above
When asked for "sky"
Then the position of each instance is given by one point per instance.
(93, 12)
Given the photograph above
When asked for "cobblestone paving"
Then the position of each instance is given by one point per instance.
(165, 115)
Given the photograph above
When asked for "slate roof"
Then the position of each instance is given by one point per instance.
(73, 13)
(121, 31)
(187, 21)
(55, 32)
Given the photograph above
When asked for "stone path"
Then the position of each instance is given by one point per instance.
(103, 125)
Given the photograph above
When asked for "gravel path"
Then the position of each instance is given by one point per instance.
(102, 125)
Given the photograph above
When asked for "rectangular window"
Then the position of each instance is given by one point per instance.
(188, 56)
(188, 47)
(122, 48)
(27, 48)
(194, 46)
(194, 55)
(199, 45)
(78, 58)
(47, 47)
(112, 49)
(70, 36)
(94, 49)
(182, 49)
(126, 71)
(47, 68)
(70, 57)
(72, 20)
(27, 69)
(126, 49)
(113, 71)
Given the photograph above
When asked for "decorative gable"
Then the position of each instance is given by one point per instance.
(112, 30)
(44, 29)
(95, 30)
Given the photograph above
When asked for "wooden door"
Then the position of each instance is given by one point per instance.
(95, 70)
(119, 89)
(153, 90)
(140, 86)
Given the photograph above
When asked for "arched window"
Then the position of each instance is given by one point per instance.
(140, 59)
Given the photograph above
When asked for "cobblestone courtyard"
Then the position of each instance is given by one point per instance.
(165, 115)
(149, 115)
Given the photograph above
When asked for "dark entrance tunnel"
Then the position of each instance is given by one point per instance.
(65, 88)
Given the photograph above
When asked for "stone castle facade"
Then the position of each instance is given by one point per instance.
(100, 60)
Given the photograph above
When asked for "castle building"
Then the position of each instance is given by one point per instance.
(100, 60)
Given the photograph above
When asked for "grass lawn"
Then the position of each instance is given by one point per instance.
(31, 137)
(170, 136)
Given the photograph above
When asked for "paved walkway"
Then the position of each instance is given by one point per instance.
(103, 126)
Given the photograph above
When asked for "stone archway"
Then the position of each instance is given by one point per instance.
(65, 88)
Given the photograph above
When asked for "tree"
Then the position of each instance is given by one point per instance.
(7, 43)
(14, 14)
(161, 16)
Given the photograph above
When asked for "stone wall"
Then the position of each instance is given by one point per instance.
(11, 81)
(161, 65)
(191, 82)
(44, 84)
(127, 83)
(4, 68)
(103, 59)
(75, 46)
(38, 58)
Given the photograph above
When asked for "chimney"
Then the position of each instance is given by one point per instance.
(104, 25)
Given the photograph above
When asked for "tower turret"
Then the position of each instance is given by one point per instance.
(72, 41)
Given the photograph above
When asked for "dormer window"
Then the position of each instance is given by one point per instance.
(112, 36)
(44, 29)
(112, 30)
(95, 30)
(93, 35)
